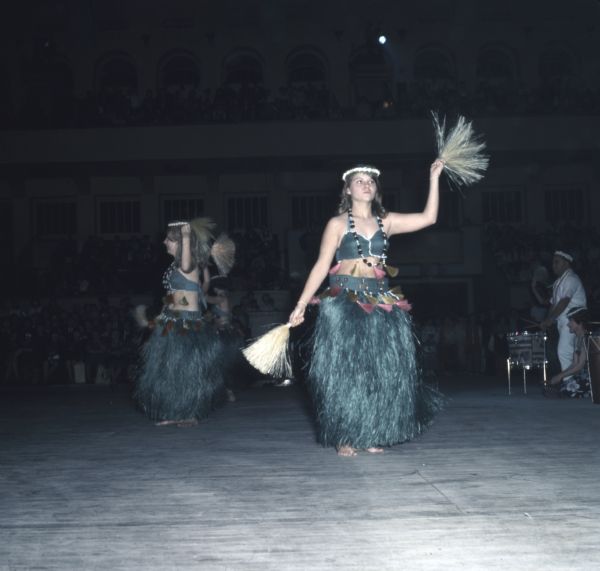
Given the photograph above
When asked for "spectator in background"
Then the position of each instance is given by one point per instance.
(540, 281)
(430, 342)
(474, 357)
(449, 345)
(567, 292)
(574, 381)
(232, 341)
(95, 353)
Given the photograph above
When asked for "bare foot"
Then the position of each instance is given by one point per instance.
(374, 450)
(346, 451)
(188, 422)
(166, 422)
(181, 423)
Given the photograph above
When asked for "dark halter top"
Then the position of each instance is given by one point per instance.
(373, 246)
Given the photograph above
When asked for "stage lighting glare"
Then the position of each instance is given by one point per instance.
(382, 40)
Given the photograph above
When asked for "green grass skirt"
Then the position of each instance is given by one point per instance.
(181, 369)
(363, 376)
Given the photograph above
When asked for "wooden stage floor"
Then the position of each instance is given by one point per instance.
(497, 483)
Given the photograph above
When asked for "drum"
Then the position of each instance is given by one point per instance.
(594, 364)
(526, 349)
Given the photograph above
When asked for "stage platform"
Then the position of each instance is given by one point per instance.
(497, 483)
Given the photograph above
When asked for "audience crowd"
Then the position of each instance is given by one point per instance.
(258, 256)
(52, 342)
(89, 339)
(186, 104)
(521, 254)
(134, 265)
(103, 266)
(96, 340)
(475, 344)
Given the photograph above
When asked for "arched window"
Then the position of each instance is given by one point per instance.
(243, 68)
(116, 71)
(495, 63)
(305, 66)
(556, 63)
(179, 69)
(433, 62)
(372, 77)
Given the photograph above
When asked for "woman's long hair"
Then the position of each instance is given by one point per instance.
(199, 259)
(346, 201)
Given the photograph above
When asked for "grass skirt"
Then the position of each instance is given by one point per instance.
(363, 374)
(180, 375)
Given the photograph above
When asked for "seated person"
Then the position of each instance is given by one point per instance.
(574, 381)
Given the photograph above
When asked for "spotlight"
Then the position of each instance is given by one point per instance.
(382, 39)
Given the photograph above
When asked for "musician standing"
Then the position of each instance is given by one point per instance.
(567, 292)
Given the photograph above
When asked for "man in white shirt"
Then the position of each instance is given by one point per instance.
(567, 292)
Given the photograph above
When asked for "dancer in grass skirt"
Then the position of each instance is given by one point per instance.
(181, 377)
(363, 375)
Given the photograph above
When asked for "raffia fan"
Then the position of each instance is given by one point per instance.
(223, 253)
(461, 149)
(270, 354)
(222, 250)
(203, 227)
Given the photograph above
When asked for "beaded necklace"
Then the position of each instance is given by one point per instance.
(383, 257)
(166, 279)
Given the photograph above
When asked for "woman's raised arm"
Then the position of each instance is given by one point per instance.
(399, 223)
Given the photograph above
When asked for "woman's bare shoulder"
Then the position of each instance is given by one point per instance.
(193, 274)
(338, 222)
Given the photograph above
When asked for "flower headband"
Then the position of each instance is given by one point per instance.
(368, 170)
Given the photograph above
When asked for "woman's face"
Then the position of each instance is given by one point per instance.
(362, 187)
(171, 245)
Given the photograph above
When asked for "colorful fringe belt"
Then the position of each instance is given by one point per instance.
(177, 321)
(368, 293)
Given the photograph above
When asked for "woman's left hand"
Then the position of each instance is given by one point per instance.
(185, 230)
(297, 316)
(436, 169)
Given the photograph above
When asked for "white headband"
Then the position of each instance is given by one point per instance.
(575, 310)
(368, 170)
(564, 255)
(177, 223)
